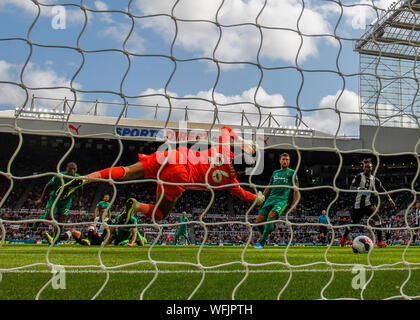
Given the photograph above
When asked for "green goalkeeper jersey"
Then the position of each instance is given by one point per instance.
(183, 227)
(281, 178)
(56, 184)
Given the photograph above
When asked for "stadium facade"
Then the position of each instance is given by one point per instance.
(384, 140)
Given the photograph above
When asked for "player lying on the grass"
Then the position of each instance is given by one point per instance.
(217, 167)
(125, 235)
(182, 229)
(83, 238)
(366, 183)
(63, 204)
(95, 234)
(277, 198)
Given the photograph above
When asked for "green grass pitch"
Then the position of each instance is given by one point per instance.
(210, 272)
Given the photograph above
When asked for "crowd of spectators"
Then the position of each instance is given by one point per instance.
(225, 219)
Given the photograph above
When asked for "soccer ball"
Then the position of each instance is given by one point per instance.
(362, 244)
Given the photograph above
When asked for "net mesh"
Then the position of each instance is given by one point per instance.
(177, 46)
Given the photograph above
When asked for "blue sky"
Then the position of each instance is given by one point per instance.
(281, 88)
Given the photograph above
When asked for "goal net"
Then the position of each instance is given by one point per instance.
(96, 83)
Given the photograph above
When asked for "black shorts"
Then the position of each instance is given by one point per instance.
(97, 240)
(323, 229)
(358, 214)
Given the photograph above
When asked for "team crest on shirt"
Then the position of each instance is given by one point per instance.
(287, 173)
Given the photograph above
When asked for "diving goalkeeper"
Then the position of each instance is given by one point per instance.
(184, 168)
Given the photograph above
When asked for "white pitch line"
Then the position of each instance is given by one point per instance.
(200, 271)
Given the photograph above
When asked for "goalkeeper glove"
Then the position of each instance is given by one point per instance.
(249, 146)
(260, 198)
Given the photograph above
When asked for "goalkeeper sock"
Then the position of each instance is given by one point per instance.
(268, 228)
(261, 229)
(117, 173)
(147, 210)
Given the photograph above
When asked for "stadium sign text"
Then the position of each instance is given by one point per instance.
(161, 133)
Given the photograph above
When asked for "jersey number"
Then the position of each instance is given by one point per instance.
(218, 160)
(218, 175)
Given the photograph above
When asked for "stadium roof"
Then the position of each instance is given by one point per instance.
(396, 34)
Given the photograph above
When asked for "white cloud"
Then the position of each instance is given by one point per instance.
(119, 32)
(5, 68)
(201, 109)
(239, 42)
(200, 104)
(390, 115)
(347, 119)
(358, 14)
(27, 7)
(10, 94)
(73, 16)
(103, 16)
(37, 79)
(327, 119)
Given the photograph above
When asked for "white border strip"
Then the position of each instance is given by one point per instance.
(206, 271)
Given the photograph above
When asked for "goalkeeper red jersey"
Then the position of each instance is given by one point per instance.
(185, 166)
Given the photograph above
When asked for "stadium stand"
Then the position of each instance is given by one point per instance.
(40, 154)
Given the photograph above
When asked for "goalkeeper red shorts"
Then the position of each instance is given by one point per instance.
(174, 171)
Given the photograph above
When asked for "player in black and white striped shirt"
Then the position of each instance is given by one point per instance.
(367, 184)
